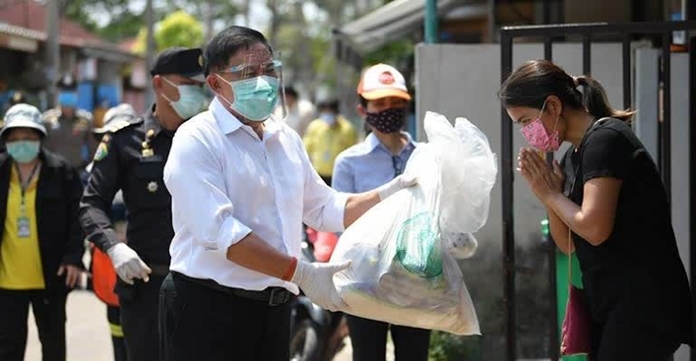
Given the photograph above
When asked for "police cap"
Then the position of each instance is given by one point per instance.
(180, 61)
(67, 82)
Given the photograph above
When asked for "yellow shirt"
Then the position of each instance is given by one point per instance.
(325, 142)
(20, 258)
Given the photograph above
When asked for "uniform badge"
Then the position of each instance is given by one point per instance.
(152, 187)
(102, 149)
(147, 152)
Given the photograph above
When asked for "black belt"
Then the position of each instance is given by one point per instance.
(274, 296)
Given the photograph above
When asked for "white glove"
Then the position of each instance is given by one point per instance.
(396, 184)
(128, 264)
(316, 281)
(460, 245)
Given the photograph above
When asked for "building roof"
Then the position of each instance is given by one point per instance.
(31, 15)
(399, 17)
(27, 18)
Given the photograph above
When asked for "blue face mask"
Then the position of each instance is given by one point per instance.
(23, 151)
(329, 118)
(255, 98)
(67, 99)
(191, 100)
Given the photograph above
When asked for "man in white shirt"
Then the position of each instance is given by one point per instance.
(241, 186)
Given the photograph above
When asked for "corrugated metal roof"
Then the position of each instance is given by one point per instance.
(20, 31)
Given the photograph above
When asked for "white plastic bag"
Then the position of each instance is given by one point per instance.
(403, 270)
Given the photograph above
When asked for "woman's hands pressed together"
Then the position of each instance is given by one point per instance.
(543, 180)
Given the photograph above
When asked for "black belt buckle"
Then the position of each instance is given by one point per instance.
(278, 297)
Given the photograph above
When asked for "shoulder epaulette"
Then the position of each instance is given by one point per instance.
(119, 124)
(51, 115)
(81, 113)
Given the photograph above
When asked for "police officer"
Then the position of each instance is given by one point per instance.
(69, 128)
(120, 113)
(131, 157)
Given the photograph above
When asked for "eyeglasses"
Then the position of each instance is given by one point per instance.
(398, 165)
(246, 71)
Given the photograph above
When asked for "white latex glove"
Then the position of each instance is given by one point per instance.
(396, 184)
(316, 281)
(460, 245)
(128, 264)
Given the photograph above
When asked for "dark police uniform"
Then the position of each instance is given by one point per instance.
(70, 137)
(131, 158)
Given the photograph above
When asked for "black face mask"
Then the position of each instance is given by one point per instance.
(387, 121)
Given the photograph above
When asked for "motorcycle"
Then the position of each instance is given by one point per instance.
(316, 334)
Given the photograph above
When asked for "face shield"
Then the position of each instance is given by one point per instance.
(257, 86)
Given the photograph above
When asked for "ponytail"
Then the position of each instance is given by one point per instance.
(596, 102)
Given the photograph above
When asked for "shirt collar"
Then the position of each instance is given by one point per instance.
(229, 123)
(152, 125)
(373, 142)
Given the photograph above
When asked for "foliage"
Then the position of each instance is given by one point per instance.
(176, 29)
(447, 347)
(122, 22)
(391, 53)
(179, 29)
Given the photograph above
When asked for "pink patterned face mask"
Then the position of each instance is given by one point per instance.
(537, 137)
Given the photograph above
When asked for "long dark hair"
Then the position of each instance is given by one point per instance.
(534, 81)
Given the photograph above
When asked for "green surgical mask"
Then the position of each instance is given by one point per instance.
(191, 100)
(255, 98)
(23, 151)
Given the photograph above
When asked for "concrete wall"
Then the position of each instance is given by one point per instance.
(463, 80)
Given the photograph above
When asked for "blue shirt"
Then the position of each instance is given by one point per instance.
(368, 165)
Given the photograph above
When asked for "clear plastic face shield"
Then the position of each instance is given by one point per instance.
(256, 81)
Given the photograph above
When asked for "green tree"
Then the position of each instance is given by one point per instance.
(176, 29)
(179, 29)
(122, 22)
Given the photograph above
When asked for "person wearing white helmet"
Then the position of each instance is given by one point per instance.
(119, 114)
(41, 245)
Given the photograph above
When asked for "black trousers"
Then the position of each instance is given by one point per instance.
(139, 317)
(369, 340)
(113, 315)
(49, 313)
(199, 323)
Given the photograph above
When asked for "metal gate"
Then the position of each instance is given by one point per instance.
(660, 33)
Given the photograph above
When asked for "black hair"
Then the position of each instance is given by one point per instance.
(290, 90)
(362, 101)
(227, 43)
(331, 104)
(534, 81)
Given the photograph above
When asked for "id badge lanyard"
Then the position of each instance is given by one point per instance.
(23, 225)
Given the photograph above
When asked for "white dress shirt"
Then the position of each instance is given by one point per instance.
(225, 182)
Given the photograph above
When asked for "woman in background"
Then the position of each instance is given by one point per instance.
(42, 244)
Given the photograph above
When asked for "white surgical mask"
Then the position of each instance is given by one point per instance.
(329, 118)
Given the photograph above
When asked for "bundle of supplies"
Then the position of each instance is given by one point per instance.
(404, 250)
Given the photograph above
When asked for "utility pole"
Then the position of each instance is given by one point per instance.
(52, 50)
(150, 52)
